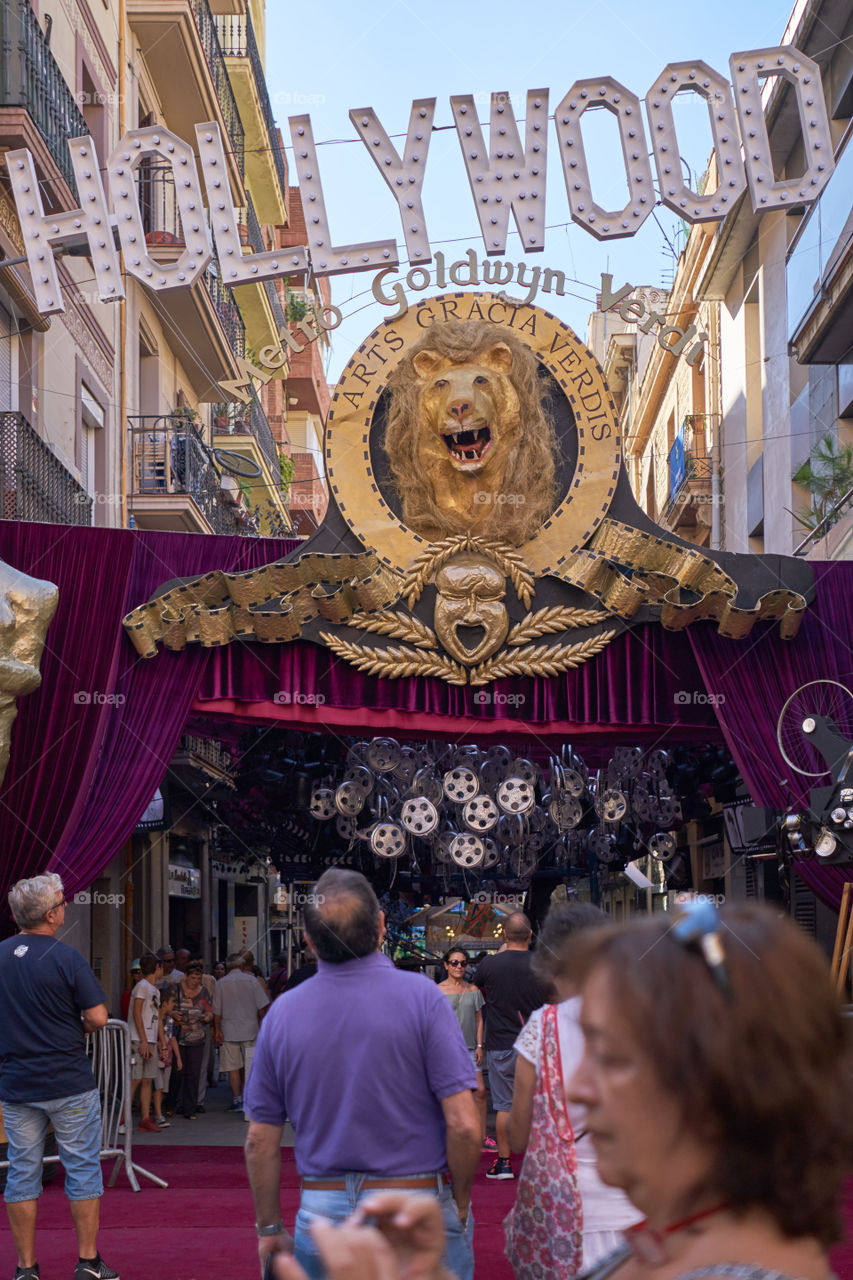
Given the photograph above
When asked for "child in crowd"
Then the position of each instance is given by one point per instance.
(144, 1024)
(167, 1053)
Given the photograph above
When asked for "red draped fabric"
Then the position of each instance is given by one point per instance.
(90, 747)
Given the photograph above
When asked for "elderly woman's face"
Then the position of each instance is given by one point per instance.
(641, 1141)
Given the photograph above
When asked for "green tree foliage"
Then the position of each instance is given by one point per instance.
(827, 473)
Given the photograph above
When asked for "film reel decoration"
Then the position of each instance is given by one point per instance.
(516, 795)
(323, 806)
(419, 816)
(467, 850)
(498, 808)
(566, 812)
(662, 846)
(349, 799)
(388, 840)
(461, 784)
(383, 754)
(480, 813)
(611, 805)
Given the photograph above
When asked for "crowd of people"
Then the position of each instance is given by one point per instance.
(186, 1028)
(677, 1085)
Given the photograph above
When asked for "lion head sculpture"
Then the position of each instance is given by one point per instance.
(468, 442)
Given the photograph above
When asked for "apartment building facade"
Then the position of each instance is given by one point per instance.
(718, 449)
(114, 414)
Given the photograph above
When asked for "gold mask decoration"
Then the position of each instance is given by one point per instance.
(471, 591)
(27, 606)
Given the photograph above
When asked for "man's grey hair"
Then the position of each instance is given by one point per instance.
(342, 921)
(234, 961)
(30, 900)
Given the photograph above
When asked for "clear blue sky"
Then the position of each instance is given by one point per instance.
(328, 57)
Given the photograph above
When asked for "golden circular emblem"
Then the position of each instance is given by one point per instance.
(356, 398)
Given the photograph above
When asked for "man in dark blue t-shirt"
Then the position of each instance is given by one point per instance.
(49, 1000)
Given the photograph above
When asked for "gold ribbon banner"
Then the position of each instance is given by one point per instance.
(221, 607)
(660, 571)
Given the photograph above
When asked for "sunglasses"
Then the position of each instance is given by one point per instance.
(456, 964)
(699, 924)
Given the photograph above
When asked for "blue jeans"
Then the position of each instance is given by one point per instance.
(335, 1206)
(77, 1125)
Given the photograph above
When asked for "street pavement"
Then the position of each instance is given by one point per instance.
(217, 1127)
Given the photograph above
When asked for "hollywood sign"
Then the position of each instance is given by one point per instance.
(505, 177)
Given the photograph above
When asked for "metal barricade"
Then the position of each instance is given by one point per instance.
(108, 1051)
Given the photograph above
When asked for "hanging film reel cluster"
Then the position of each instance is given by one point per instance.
(487, 809)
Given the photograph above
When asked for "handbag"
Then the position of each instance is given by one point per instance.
(544, 1228)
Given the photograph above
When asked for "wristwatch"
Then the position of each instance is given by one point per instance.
(275, 1229)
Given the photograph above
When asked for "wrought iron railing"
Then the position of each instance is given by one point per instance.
(251, 419)
(162, 223)
(158, 204)
(684, 467)
(168, 455)
(226, 308)
(30, 77)
(207, 29)
(34, 485)
(255, 240)
(237, 40)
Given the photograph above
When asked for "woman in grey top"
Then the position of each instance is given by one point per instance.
(467, 1001)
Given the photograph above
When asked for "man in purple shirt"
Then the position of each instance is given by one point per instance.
(369, 1065)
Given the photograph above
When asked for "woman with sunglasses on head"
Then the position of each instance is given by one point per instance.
(467, 1001)
(715, 1077)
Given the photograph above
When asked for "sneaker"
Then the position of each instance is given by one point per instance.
(97, 1270)
(490, 1144)
(161, 1122)
(236, 1104)
(500, 1171)
(27, 1273)
(122, 1129)
(148, 1126)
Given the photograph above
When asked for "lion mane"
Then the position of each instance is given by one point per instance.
(530, 470)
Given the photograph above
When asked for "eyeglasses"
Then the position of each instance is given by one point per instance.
(57, 905)
(699, 923)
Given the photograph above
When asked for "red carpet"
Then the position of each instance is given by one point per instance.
(201, 1228)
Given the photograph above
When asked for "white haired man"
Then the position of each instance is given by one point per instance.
(49, 1000)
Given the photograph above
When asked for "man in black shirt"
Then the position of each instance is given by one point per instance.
(511, 993)
(49, 1000)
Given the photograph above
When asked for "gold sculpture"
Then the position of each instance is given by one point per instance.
(27, 606)
(445, 468)
(470, 595)
(468, 442)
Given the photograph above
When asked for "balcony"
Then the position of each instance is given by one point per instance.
(819, 273)
(266, 169)
(175, 482)
(259, 303)
(688, 511)
(33, 482)
(39, 110)
(244, 430)
(181, 50)
(204, 322)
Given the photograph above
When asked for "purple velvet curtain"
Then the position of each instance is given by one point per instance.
(645, 687)
(751, 681)
(90, 747)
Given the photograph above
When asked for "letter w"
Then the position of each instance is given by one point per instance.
(507, 178)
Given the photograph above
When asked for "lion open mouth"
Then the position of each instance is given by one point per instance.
(468, 446)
